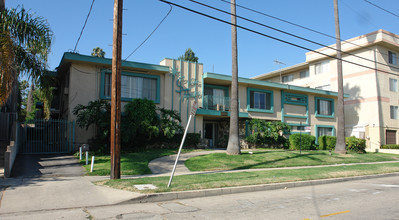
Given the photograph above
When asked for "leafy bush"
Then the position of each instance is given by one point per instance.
(267, 132)
(390, 146)
(327, 142)
(356, 145)
(169, 123)
(302, 141)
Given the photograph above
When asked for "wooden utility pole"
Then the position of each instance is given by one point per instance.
(340, 146)
(233, 146)
(116, 91)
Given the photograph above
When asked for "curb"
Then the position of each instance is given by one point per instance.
(160, 197)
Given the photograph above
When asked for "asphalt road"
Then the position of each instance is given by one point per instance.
(363, 199)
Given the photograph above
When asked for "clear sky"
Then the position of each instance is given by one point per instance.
(209, 39)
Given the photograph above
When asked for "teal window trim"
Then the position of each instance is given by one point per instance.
(317, 110)
(225, 88)
(316, 127)
(158, 78)
(201, 111)
(249, 90)
(302, 100)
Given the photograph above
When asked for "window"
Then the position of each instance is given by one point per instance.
(394, 112)
(134, 86)
(260, 100)
(324, 107)
(322, 67)
(216, 98)
(288, 78)
(304, 74)
(393, 85)
(325, 131)
(392, 57)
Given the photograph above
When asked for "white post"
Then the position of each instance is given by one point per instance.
(178, 154)
(92, 164)
(80, 153)
(87, 157)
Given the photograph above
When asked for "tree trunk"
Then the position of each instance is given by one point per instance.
(340, 146)
(29, 102)
(233, 146)
(2, 5)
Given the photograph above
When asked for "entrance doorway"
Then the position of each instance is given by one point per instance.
(210, 133)
(390, 137)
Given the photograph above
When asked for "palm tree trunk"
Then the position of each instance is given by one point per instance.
(29, 102)
(2, 5)
(340, 146)
(233, 146)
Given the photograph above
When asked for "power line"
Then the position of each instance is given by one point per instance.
(381, 8)
(150, 33)
(292, 35)
(303, 27)
(84, 25)
(274, 38)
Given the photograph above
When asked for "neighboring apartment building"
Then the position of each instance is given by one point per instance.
(371, 80)
(175, 84)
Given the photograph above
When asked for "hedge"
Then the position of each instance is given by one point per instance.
(307, 141)
(327, 142)
(390, 146)
(356, 145)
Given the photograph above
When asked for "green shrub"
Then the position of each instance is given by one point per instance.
(192, 140)
(264, 132)
(302, 141)
(327, 142)
(356, 145)
(390, 146)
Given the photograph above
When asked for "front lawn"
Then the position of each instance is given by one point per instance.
(279, 158)
(219, 180)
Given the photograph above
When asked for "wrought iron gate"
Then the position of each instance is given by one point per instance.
(42, 137)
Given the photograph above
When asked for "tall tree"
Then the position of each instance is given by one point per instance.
(340, 146)
(189, 55)
(25, 42)
(98, 52)
(233, 146)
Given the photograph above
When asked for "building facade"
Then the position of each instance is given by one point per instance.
(176, 84)
(370, 77)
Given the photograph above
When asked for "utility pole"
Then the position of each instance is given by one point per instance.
(116, 91)
(340, 146)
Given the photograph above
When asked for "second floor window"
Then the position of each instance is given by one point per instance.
(393, 85)
(260, 100)
(324, 107)
(288, 78)
(304, 74)
(391, 57)
(322, 67)
(394, 112)
(134, 86)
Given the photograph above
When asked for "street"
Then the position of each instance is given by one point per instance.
(363, 199)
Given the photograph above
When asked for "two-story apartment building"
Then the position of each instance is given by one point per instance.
(370, 72)
(176, 84)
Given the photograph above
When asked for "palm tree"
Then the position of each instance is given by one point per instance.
(25, 43)
(233, 146)
(340, 146)
(98, 52)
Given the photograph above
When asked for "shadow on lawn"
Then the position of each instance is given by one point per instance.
(308, 155)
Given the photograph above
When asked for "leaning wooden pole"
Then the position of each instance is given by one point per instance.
(116, 91)
(340, 146)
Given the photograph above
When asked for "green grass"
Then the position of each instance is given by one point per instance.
(131, 163)
(279, 158)
(220, 180)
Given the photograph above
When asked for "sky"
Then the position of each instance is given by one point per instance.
(208, 38)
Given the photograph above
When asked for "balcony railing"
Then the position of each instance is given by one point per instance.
(218, 103)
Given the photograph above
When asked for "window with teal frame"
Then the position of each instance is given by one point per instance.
(324, 107)
(324, 130)
(133, 86)
(260, 100)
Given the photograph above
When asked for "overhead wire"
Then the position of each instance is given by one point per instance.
(377, 6)
(301, 26)
(84, 25)
(292, 35)
(274, 38)
(170, 10)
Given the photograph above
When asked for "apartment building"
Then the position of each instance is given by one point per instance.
(370, 78)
